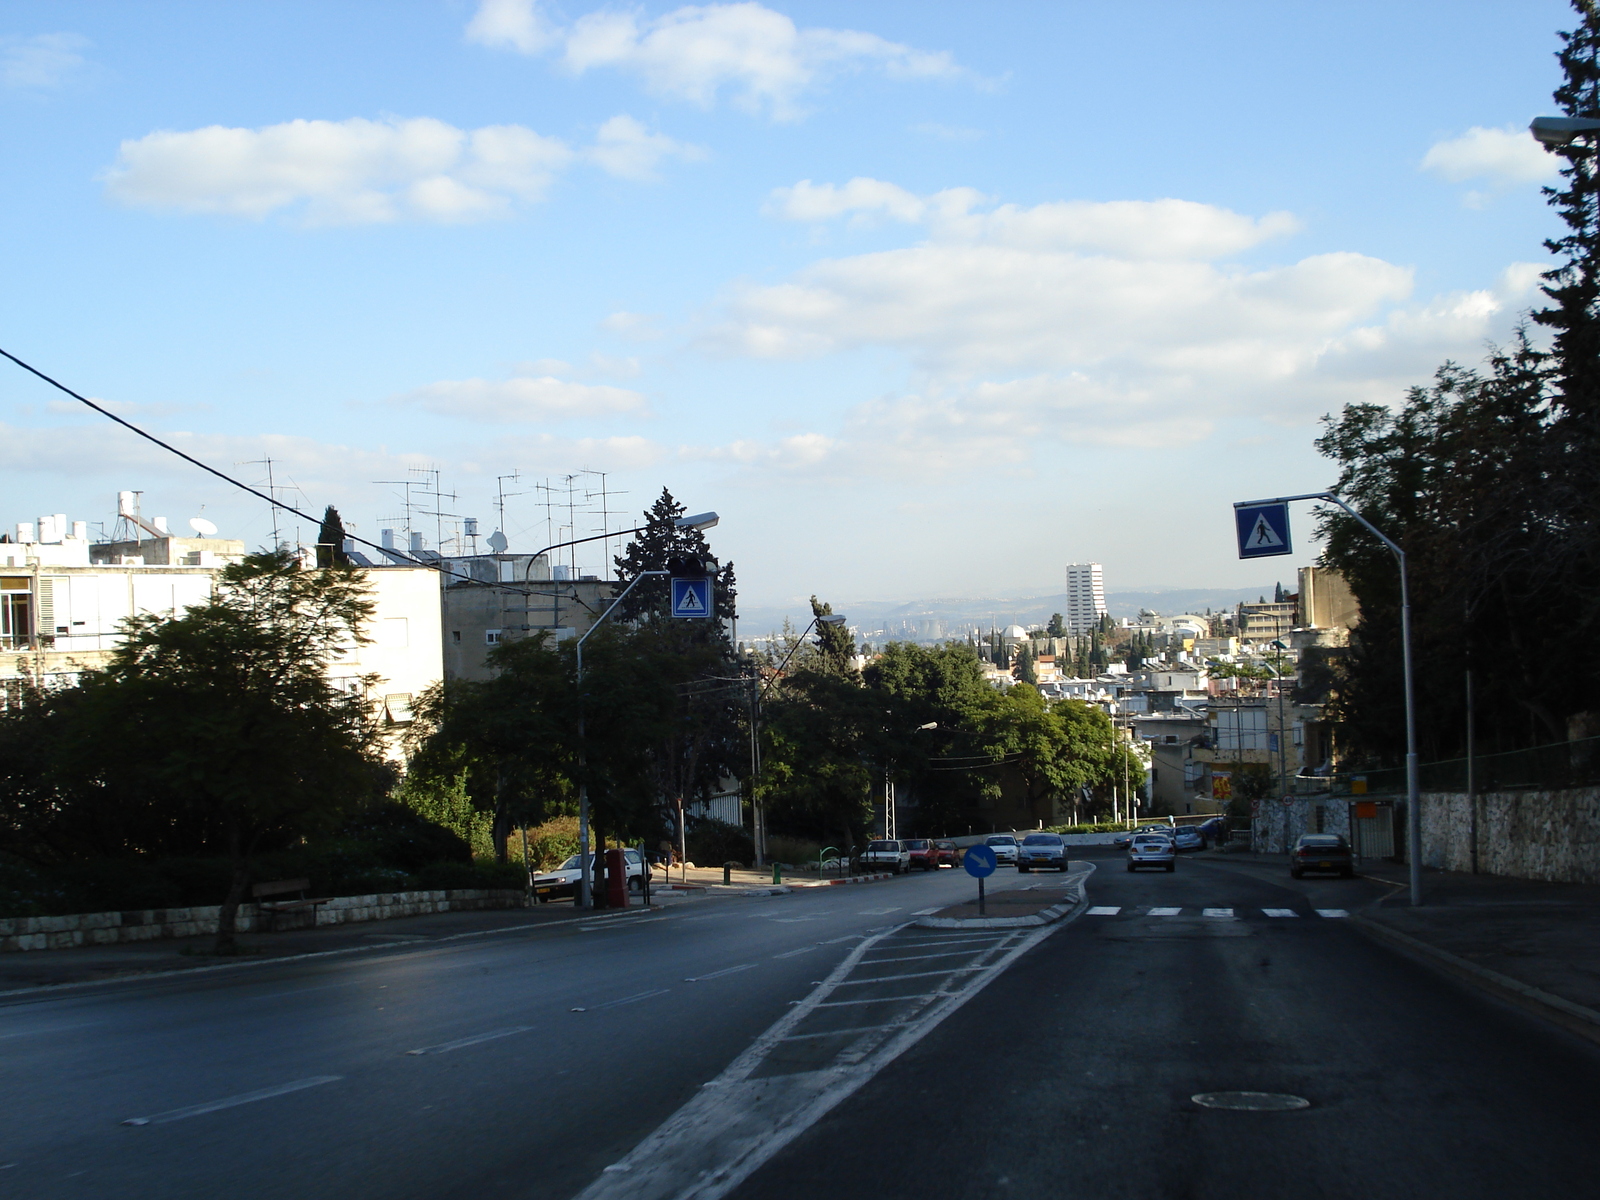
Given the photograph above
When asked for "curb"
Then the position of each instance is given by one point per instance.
(1574, 1018)
(1043, 917)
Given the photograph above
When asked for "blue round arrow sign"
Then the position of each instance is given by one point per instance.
(979, 861)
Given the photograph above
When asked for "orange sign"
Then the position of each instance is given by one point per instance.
(1366, 810)
(1222, 785)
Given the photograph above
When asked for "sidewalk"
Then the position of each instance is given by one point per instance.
(88, 964)
(1534, 944)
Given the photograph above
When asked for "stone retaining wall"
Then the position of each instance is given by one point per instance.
(1548, 835)
(109, 928)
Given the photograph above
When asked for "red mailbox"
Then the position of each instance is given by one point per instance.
(616, 879)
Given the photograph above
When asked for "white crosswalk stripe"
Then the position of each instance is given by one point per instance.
(1332, 912)
(1105, 910)
(1165, 912)
(1224, 914)
(1218, 914)
(1279, 912)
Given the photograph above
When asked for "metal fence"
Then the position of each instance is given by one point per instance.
(1562, 765)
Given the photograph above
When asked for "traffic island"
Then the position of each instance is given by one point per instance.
(1015, 908)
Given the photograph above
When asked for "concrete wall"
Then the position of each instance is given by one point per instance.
(108, 928)
(1549, 835)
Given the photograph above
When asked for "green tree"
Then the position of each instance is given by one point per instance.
(1055, 628)
(330, 540)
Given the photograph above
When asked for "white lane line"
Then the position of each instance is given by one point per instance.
(1280, 912)
(196, 1110)
(924, 912)
(1332, 912)
(630, 999)
(1105, 910)
(446, 1047)
(910, 975)
(1223, 914)
(794, 953)
(880, 999)
(719, 974)
(1165, 912)
(879, 912)
(849, 937)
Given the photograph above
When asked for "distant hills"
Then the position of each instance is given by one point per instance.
(946, 617)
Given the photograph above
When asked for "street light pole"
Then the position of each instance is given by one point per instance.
(1413, 784)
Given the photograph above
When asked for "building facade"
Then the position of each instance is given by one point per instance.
(1086, 598)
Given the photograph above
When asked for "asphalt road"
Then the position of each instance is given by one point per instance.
(1072, 1073)
(427, 1072)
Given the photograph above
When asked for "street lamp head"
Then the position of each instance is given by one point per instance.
(832, 619)
(703, 520)
(929, 725)
(1562, 131)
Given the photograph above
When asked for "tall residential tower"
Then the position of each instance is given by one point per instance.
(1086, 597)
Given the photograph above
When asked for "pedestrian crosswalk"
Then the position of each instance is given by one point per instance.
(1216, 914)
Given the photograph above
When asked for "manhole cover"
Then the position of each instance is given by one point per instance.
(1251, 1101)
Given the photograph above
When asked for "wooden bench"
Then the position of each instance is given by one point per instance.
(269, 912)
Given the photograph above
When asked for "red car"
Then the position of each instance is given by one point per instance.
(924, 854)
(949, 853)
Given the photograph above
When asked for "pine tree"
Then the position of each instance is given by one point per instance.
(656, 549)
(330, 541)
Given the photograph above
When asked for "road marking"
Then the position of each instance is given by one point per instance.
(1280, 912)
(1332, 912)
(1105, 910)
(1165, 912)
(876, 962)
(849, 937)
(719, 974)
(881, 999)
(909, 975)
(1223, 914)
(879, 912)
(446, 1047)
(794, 953)
(924, 912)
(632, 999)
(197, 1110)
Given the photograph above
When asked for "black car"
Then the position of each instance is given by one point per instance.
(1321, 852)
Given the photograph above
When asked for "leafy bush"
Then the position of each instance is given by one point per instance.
(712, 843)
(550, 844)
(794, 851)
(399, 836)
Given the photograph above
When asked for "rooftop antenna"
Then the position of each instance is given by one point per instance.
(271, 491)
(500, 506)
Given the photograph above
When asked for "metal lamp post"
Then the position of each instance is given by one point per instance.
(700, 521)
(1413, 785)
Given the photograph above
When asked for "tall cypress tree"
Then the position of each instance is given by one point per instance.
(330, 540)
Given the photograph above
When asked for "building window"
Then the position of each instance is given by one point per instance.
(491, 637)
(455, 636)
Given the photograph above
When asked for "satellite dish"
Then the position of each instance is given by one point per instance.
(497, 542)
(203, 527)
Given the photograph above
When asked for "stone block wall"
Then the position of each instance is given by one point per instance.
(1548, 835)
(109, 928)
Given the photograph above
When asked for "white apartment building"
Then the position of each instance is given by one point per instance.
(1086, 597)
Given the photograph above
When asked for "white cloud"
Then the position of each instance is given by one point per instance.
(1113, 324)
(1504, 156)
(638, 327)
(41, 62)
(524, 398)
(625, 148)
(697, 52)
(514, 23)
(361, 171)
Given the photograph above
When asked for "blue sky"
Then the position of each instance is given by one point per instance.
(924, 299)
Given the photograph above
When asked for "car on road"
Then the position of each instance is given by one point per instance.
(562, 883)
(949, 853)
(1042, 850)
(1321, 852)
(921, 853)
(887, 854)
(1004, 847)
(1152, 850)
(1186, 837)
(1213, 829)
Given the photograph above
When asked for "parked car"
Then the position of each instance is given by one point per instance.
(949, 853)
(1214, 830)
(1151, 850)
(1186, 837)
(886, 855)
(921, 853)
(1321, 852)
(1042, 850)
(1004, 847)
(562, 883)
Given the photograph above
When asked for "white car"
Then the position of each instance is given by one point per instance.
(887, 855)
(1004, 847)
(563, 881)
(1151, 850)
(1042, 850)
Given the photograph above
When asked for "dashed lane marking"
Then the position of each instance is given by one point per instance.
(719, 974)
(1279, 912)
(460, 1043)
(794, 953)
(198, 1110)
(879, 912)
(1165, 912)
(924, 912)
(1221, 914)
(1105, 910)
(1332, 912)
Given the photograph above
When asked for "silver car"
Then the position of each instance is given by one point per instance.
(1042, 850)
(1004, 847)
(1151, 850)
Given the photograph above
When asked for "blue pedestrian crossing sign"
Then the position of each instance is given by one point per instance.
(1263, 530)
(691, 597)
(979, 861)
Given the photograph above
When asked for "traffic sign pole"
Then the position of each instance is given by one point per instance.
(979, 862)
(1413, 783)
